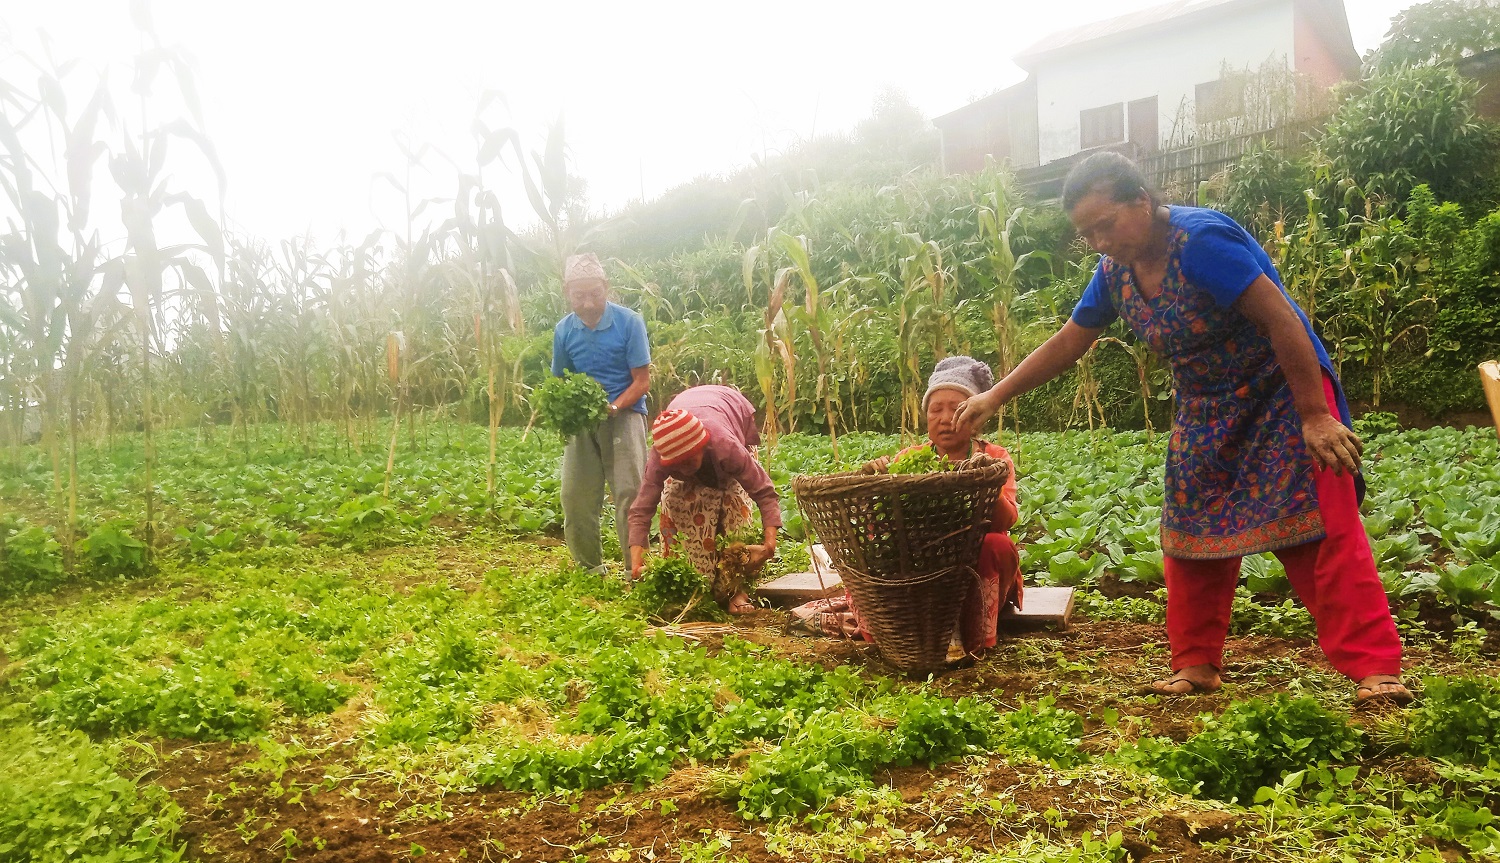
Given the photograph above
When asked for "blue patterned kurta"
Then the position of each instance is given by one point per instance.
(1239, 479)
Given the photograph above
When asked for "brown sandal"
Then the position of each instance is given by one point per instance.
(1164, 687)
(1371, 695)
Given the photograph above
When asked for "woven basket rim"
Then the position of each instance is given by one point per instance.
(980, 468)
(820, 499)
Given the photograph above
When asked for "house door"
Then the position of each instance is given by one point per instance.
(1143, 130)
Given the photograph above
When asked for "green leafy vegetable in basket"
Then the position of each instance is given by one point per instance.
(572, 404)
(923, 459)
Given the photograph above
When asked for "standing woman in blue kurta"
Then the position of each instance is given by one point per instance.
(1261, 457)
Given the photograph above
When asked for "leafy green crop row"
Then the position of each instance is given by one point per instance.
(273, 640)
(1091, 507)
(63, 797)
(541, 679)
(1090, 504)
(223, 497)
(1293, 754)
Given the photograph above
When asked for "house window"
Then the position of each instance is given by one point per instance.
(1100, 126)
(1223, 99)
(1144, 119)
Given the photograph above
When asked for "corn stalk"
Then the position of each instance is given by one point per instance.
(774, 351)
(138, 171)
(998, 221)
(1385, 297)
(816, 320)
(39, 263)
(1086, 395)
(924, 321)
(1305, 256)
(1145, 365)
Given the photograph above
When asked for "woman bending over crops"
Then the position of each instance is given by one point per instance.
(954, 380)
(704, 476)
(1261, 457)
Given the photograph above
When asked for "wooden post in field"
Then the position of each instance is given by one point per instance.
(1489, 376)
(393, 344)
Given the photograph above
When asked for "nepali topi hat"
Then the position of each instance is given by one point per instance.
(583, 268)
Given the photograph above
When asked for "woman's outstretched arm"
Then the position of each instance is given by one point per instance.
(1056, 355)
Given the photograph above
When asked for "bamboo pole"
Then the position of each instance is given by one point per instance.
(393, 345)
(390, 459)
(494, 423)
(148, 435)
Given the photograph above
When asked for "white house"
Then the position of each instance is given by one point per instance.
(1128, 80)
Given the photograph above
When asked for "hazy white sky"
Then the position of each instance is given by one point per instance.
(302, 96)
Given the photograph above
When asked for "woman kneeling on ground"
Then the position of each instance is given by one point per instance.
(704, 477)
(954, 380)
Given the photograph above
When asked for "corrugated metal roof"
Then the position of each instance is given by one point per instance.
(1115, 26)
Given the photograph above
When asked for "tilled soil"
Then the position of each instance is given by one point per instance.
(238, 812)
(229, 819)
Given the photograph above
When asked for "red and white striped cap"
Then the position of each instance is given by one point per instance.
(677, 435)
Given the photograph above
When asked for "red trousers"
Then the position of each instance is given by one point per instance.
(1335, 577)
(999, 582)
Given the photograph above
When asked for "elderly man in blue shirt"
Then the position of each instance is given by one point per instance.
(607, 342)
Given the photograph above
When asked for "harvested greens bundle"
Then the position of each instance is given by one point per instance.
(572, 404)
(671, 588)
(923, 459)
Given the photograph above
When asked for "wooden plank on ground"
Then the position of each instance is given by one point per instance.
(1045, 606)
(799, 587)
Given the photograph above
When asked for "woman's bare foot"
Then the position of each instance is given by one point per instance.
(1382, 689)
(1192, 680)
(741, 604)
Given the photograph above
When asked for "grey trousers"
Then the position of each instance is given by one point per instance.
(615, 452)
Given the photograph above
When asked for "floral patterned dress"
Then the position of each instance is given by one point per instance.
(1239, 479)
(693, 517)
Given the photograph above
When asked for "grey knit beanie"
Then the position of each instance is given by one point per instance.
(965, 374)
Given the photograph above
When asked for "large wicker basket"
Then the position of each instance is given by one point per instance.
(906, 547)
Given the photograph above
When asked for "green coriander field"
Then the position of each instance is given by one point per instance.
(310, 669)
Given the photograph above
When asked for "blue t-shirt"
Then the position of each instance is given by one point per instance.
(605, 353)
(1219, 257)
